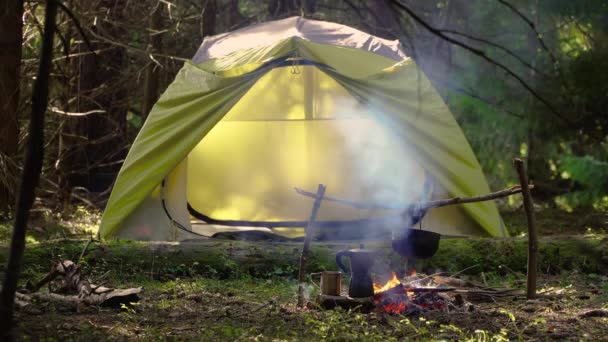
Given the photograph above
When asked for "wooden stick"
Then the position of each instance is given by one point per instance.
(422, 205)
(309, 232)
(532, 235)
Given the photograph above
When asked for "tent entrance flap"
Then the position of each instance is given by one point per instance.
(298, 128)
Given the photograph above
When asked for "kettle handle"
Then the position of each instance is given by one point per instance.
(339, 256)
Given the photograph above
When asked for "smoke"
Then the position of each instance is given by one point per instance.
(309, 290)
(385, 169)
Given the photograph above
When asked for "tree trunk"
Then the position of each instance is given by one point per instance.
(31, 173)
(208, 26)
(282, 8)
(11, 26)
(151, 82)
(234, 16)
(386, 21)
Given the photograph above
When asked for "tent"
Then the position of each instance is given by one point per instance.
(296, 103)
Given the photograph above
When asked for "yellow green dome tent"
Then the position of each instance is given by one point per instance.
(295, 103)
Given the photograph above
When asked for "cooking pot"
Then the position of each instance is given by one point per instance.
(416, 243)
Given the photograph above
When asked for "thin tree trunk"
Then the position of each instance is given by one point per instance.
(234, 16)
(208, 26)
(11, 26)
(151, 82)
(31, 172)
(386, 22)
(281, 8)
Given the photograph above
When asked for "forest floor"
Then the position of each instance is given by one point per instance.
(250, 295)
(264, 309)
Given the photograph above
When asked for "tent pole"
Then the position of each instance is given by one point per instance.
(305, 250)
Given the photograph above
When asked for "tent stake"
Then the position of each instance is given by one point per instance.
(532, 234)
(305, 250)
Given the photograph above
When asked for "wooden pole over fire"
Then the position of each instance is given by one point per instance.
(305, 250)
(532, 234)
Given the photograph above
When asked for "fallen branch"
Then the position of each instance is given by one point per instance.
(421, 205)
(73, 281)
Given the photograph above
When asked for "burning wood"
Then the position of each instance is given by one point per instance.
(415, 295)
(396, 298)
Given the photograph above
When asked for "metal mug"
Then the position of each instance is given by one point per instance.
(331, 282)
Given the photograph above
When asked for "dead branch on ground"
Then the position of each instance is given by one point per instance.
(83, 293)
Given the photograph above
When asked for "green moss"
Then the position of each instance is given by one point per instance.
(134, 262)
(510, 255)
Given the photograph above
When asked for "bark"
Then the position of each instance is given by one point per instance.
(31, 172)
(151, 82)
(11, 26)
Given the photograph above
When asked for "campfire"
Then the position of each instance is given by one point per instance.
(418, 293)
(413, 297)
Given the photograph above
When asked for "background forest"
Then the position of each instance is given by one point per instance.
(522, 78)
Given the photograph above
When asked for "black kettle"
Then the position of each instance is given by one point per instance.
(361, 262)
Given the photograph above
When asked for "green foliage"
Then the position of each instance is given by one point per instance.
(592, 175)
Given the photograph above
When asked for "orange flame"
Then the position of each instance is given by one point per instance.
(388, 285)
